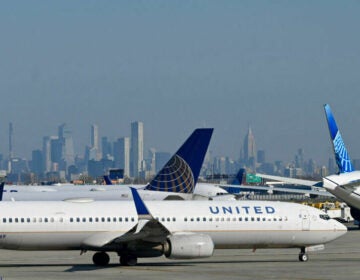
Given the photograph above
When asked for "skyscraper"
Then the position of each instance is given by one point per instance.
(11, 153)
(137, 148)
(249, 149)
(66, 140)
(122, 155)
(95, 139)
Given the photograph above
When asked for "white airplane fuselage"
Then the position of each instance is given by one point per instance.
(232, 224)
(106, 192)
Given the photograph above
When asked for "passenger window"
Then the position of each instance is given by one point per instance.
(240, 219)
(4, 220)
(96, 219)
(246, 219)
(126, 219)
(103, 219)
(71, 220)
(174, 219)
(28, 220)
(16, 220)
(10, 220)
(114, 219)
(46, 220)
(185, 219)
(252, 219)
(22, 220)
(120, 219)
(168, 219)
(198, 219)
(40, 220)
(132, 219)
(90, 219)
(258, 219)
(84, 219)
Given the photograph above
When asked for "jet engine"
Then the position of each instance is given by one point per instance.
(188, 246)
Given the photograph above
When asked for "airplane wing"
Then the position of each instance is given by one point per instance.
(147, 229)
(291, 180)
(237, 189)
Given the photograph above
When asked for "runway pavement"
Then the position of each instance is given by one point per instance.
(339, 260)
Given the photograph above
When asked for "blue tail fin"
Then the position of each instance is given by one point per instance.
(240, 176)
(107, 180)
(181, 172)
(2, 190)
(341, 154)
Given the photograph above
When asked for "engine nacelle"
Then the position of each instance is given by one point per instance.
(188, 246)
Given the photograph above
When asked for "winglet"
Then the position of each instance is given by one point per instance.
(2, 190)
(181, 172)
(343, 160)
(141, 208)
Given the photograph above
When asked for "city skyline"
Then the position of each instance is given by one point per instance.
(95, 129)
(180, 65)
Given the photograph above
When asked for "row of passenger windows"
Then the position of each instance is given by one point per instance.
(132, 219)
(71, 220)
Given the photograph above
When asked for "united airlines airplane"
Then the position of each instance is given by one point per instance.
(344, 185)
(176, 180)
(176, 229)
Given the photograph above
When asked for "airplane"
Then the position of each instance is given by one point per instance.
(176, 180)
(346, 184)
(237, 187)
(176, 229)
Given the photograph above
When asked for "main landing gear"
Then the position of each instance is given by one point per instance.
(103, 259)
(128, 260)
(303, 257)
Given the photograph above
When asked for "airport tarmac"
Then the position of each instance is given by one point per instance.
(339, 260)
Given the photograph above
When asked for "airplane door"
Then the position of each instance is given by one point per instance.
(305, 220)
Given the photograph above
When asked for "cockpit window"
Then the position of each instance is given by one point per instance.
(324, 216)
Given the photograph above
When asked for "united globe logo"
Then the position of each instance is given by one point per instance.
(176, 176)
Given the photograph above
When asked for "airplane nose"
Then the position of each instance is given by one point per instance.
(339, 229)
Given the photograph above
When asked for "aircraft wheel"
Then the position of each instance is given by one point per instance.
(303, 257)
(128, 260)
(101, 258)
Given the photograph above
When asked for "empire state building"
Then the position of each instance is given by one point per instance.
(250, 149)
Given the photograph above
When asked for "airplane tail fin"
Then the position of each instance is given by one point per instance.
(181, 172)
(107, 180)
(240, 177)
(341, 154)
(2, 190)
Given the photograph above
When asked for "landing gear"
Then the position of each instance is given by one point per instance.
(128, 260)
(101, 259)
(303, 257)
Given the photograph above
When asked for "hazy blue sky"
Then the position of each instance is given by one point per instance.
(178, 65)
